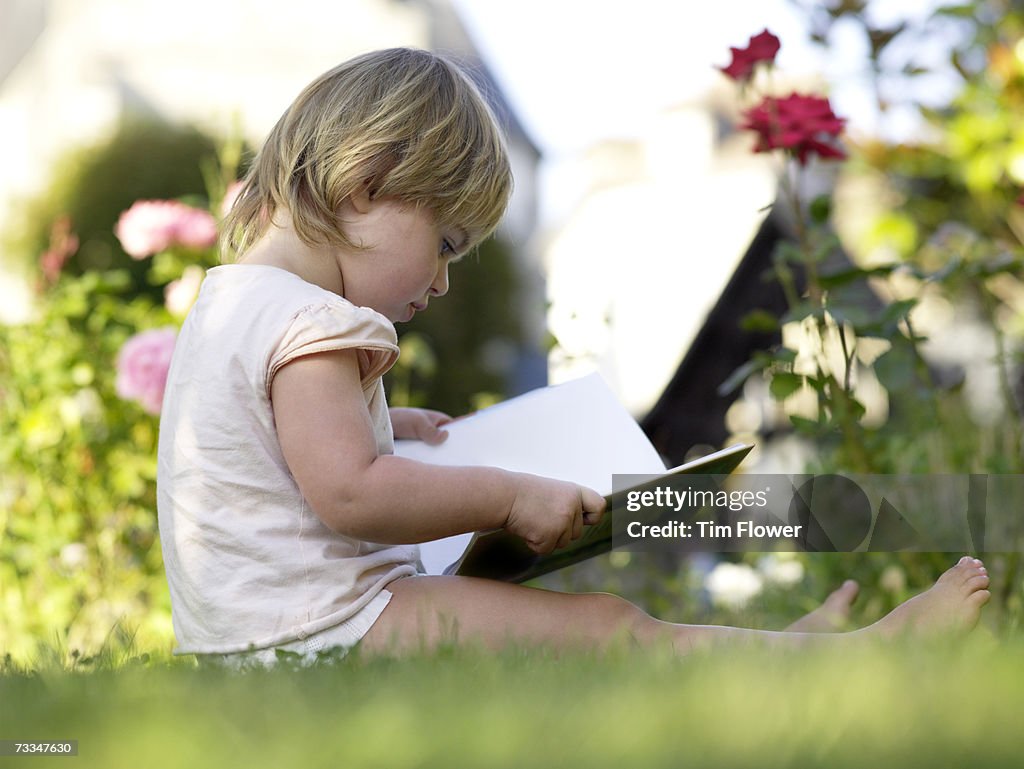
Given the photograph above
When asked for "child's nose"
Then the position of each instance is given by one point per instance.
(440, 285)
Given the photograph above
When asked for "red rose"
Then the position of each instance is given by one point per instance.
(798, 124)
(762, 47)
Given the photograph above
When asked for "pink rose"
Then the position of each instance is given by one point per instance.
(762, 48)
(798, 124)
(180, 295)
(142, 366)
(150, 226)
(230, 196)
(195, 228)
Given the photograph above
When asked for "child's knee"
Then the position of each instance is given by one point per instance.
(612, 613)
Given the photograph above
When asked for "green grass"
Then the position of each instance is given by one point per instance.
(955, 704)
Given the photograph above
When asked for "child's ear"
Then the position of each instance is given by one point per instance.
(363, 197)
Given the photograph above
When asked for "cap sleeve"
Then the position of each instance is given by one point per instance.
(338, 326)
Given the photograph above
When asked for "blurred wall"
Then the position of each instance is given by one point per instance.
(659, 228)
(70, 68)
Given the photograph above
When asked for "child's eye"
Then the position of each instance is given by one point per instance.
(447, 249)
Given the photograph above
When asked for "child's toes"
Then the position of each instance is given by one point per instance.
(961, 571)
(968, 565)
(979, 598)
(975, 583)
(839, 600)
(973, 569)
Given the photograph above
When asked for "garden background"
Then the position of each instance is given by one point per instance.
(905, 359)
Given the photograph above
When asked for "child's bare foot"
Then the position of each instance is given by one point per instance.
(833, 614)
(953, 603)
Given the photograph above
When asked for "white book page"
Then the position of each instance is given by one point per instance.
(577, 431)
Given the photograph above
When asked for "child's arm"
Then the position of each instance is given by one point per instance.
(328, 442)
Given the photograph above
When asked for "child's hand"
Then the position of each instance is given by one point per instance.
(549, 514)
(419, 424)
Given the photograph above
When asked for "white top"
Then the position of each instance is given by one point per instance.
(249, 564)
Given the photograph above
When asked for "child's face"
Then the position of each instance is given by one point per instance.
(407, 260)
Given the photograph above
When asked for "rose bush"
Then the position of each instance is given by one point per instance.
(142, 366)
(802, 128)
(850, 331)
(79, 556)
(151, 226)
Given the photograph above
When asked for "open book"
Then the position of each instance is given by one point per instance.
(577, 431)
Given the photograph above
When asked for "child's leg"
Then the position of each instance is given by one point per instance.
(427, 611)
(833, 615)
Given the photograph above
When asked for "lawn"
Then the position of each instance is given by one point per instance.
(947, 704)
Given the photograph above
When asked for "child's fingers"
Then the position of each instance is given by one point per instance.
(432, 436)
(564, 540)
(430, 431)
(427, 429)
(437, 418)
(593, 505)
(577, 526)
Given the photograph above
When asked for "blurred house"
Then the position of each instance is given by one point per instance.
(69, 69)
(660, 227)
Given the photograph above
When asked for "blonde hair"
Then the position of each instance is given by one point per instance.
(409, 123)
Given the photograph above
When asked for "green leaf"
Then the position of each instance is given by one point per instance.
(800, 312)
(843, 405)
(821, 209)
(165, 267)
(965, 11)
(784, 354)
(740, 375)
(804, 426)
(759, 321)
(897, 311)
(841, 277)
(759, 361)
(784, 384)
(897, 230)
(895, 367)
(113, 282)
(885, 325)
(787, 251)
(854, 314)
(74, 305)
(817, 383)
(824, 248)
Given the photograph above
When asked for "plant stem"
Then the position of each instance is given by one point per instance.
(1012, 425)
(847, 357)
(837, 398)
